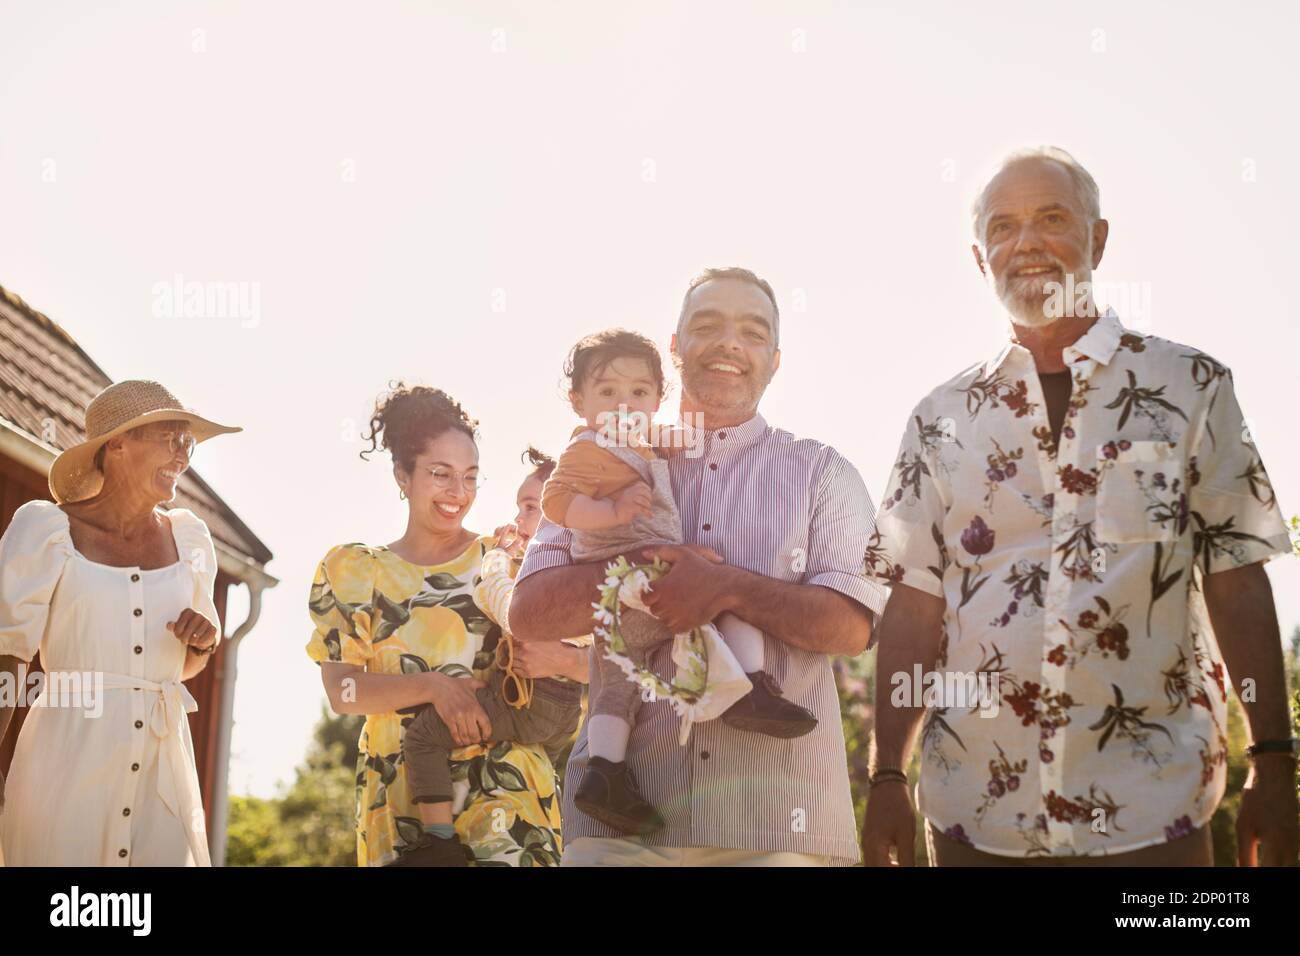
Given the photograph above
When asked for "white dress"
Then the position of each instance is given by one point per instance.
(103, 771)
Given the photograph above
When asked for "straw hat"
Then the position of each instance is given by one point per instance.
(118, 408)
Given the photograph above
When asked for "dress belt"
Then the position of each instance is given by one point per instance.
(177, 783)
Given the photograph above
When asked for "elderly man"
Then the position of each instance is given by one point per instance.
(791, 519)
(1081, 519)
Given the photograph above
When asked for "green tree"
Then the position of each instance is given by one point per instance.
(312, 821)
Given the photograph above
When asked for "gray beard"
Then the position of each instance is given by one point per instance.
(1032, 313)
(1029, 315)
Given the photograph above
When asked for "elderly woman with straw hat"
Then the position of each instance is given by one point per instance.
(116, 592)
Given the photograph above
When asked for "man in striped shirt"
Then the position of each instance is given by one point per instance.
(790, 519)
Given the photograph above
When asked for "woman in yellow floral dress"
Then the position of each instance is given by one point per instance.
(397, 627)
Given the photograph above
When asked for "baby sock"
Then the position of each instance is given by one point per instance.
(607, 737)
(745, 641)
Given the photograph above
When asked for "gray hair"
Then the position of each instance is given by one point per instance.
(1084, 184)
(744, 275)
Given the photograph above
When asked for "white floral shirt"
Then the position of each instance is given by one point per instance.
(1071, 577)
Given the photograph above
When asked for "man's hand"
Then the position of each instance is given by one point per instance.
(910, 633)
(1269, 815)
(693, 592)
(1240, 602)
(890, 823)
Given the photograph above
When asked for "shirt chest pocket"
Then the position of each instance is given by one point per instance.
(1140, 494)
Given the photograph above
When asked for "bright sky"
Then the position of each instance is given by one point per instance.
(453, 193)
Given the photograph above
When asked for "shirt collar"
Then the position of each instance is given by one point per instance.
(742, 434)
(1099, 343)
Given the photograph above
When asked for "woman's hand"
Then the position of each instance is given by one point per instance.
(545, 659)
(455, 701)
(195, 631)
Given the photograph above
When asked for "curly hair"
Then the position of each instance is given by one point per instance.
(407, 418)
(593, 353)
(543, 464)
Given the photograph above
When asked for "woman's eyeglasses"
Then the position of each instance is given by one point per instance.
(177, 441)
(446, 478)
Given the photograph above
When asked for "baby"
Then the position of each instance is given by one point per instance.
(615, 496)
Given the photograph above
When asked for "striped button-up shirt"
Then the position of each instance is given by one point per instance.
(795, 510)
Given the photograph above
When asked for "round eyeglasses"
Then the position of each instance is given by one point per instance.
(177, 441)
(444, 477)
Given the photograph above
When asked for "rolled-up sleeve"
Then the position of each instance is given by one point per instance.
(843, 522)
(550, 548)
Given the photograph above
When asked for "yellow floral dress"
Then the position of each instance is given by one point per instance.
(374, 609)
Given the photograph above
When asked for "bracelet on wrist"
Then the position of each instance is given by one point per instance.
(1282, 747)
(886, 775)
